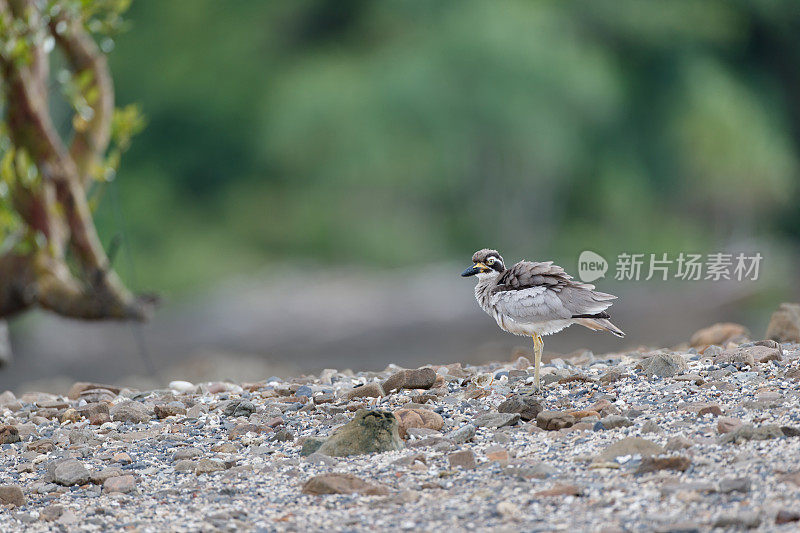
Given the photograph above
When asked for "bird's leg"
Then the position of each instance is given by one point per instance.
(537, 361)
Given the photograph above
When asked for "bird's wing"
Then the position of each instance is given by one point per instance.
(538, 292)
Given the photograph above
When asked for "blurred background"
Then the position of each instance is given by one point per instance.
(314, 175)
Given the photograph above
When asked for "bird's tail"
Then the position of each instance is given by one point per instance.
(600, 324)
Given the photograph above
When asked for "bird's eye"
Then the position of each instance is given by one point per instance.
(490, 261)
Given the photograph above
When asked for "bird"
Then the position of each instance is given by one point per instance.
(535, 299)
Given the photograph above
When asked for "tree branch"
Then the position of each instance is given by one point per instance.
(92, 135)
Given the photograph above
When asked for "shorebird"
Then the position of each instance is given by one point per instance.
(535, 299)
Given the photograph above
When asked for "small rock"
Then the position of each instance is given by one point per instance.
(527, 407)
(785, 517)
(130, 411)
(554, 420)
(560, 489)
(737, 356)
(417, 418)
(613, 375)
(789, 431)
(9, 434)
(496, 420)
(749, 432)
(96, 412)
(719, 334)
(664, 365)
(99, 477)
(51, 513)
(367, 432)
(123, 484)
(169, 409)
(629, 446)
(673, 462)
(342, 484)
(122, 458)
(784, 326)
(464, 459)
(81, 386)
(420, 378)
(650, 426)
(747, 520)
(237, 408)
(70, 472)
(678, 443)
(370, 390)
(615, 421)
(184, 387)
(734, 484)
(711, 409)
(12, 495)
(208, 466)
(187, 452)
(463, 434)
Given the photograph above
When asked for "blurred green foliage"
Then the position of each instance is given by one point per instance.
(389, 132)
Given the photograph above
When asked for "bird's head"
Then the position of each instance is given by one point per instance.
(486, 263)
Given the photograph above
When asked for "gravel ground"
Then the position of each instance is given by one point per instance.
(669, 440)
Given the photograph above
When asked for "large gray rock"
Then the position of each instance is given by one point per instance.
(69, 472)
(367, 432)
(664, 365)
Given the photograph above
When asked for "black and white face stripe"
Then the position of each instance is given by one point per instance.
(495, 262)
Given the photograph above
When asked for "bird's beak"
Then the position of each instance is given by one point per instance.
(477, 268)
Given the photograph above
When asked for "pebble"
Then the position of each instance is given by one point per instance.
(554, 420)
(496, 420)
(664, 365)
(70, 472)
(342, 484)
(462, 459)
(130, 411)
(11, 495)
(679, 452)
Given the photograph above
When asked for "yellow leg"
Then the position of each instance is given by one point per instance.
(537, 356)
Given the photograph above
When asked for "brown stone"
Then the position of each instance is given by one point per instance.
(9, 434)
(711, 409)
(735, 356)
(784, 326)
(785, 517)
(527, 407)
(97, 413)
(464, 459)
(560, 489)
(498, 454)
(719, 334)
(653, 464)
(417, 418)
(554, 420)
(123, 484)
(81, 386)
(370, 390)
(342, 484)
(583, 414)
(12, 495)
